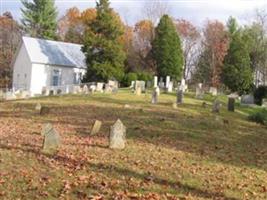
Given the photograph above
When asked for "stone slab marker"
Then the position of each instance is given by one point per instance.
(51, 138)
(216, 106)
(154, 96)
(180, 97)
(117, 137)
(231, 104)
(38, 107)
(168, 79)
(155, 81)
(96, 127)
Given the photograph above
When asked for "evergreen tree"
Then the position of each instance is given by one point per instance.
(166, 49)
(102, 45)
(237, 73)
(39, 18)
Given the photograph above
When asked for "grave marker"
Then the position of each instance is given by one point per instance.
(117, 138)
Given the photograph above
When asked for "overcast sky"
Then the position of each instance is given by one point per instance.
(196, 11)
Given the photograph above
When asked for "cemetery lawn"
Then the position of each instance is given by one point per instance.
(183, 153)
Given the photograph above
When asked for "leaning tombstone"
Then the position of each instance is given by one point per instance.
(180, 96)
(231, 104)
(117, 137)
(96, 127)
(51, 139)
(216, 106)
(154, 97)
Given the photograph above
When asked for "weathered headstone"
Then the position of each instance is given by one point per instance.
(96, 127)
(155, 81)
(99, 87)
(161, 83)
(141, 84)
(168, 79)
(157, 90)
(170, 87)
(117, 138)
(138, 90)
(44, 110)
(231, 104)
(264, 103)
(216, 106)
(51, 138)
(180, 96)
(247, 99)
(199, 91)
(85, 89)
(38, 108)
(154, 96)
(213, 91)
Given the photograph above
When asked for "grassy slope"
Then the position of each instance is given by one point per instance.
(186, 153)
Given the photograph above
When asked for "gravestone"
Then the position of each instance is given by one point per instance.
(108, 88)
(216, 106)
(51, 138)
(231, 104)
(161, 83)
(213, 91)
(99, 87)
(155, 81)
(180, 96)
(138, 90)
(141, 84)
(132, 84)
(85, 89)
(38, 108)
(174, 105)
(264, 103)
(247, 99)
(170, 87)
(168, 79)
(96, 127)
(157, 90)
(199, 91)
(44, 110)
(154, 96)
(117, 137)
(92, 89)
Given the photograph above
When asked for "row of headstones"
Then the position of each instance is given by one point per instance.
(111, 86)
(117, 136)
(140, 86)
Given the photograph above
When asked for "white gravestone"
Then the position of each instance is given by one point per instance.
(155, 81)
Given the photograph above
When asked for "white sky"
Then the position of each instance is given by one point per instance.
(196, 11)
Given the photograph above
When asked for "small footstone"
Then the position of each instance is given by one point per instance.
(117, 138)
(44, 111)
(96, 127)
(51, 139)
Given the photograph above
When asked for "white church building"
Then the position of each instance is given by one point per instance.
(40, 64)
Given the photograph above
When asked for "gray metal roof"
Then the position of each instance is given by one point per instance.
(54, 53)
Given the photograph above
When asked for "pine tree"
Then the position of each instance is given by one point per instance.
(102, 45)
(39, 18)
(237, 73)
(166, 49)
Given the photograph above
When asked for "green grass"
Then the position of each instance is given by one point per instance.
(183, 153)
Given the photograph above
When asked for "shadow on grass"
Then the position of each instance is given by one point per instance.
(119, 172)
(240, 143)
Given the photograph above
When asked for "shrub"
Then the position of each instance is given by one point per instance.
(128, 78)
(259, 94)
(144, 76)
(259, 117)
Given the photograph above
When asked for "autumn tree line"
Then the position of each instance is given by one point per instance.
(229, 56)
